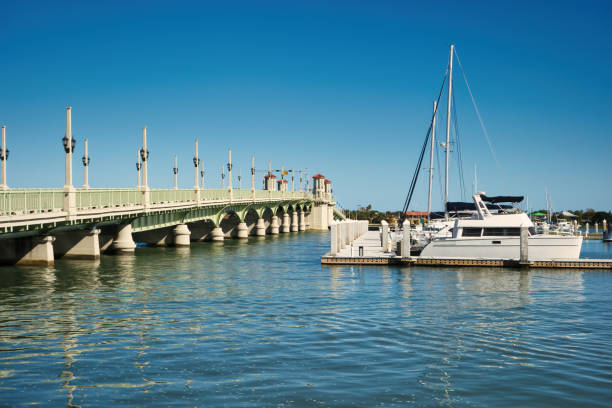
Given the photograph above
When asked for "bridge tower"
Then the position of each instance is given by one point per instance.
(321, 214)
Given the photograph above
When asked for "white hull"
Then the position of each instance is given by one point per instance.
(541, 247)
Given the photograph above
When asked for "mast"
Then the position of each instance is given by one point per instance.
(448, 119)
(431, 157)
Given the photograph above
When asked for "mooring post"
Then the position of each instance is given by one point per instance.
(586, 230)
(405, 246)
(605, 226)
(334, 238)
(384, 236)
(596, 228)
(524, 247)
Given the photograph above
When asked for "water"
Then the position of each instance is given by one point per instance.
(264, 324)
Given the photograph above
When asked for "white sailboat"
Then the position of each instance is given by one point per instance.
(485, 234)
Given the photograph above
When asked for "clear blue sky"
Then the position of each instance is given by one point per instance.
(344, 88)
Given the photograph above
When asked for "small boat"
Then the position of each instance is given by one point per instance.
(497, 236)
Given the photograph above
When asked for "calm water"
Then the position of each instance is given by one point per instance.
(264, 324)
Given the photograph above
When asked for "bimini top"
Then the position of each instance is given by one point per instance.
(463, 206)
(502, 199)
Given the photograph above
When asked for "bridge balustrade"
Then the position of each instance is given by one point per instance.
(214, 194)
(107, 197)
(13, 202)
(160, 196)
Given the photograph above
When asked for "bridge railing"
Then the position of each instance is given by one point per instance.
(30, 201)
(160, 196)
(214, 194)
(107, 197)
(13, 202)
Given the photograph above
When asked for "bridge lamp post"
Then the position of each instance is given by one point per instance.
(4, 154)
(229, 171)
(138, 166)
(68, 142)
(253, 176)
(239, 180)
(201, 174)
(222, 178)
(144, 155)
(175, 171)
(196, 164)
(86, 160)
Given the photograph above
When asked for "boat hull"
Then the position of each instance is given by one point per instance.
(541, 248)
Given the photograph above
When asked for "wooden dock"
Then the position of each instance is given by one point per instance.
(373, 254)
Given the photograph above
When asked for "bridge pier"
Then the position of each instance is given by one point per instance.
(319, 216)
(260, 228)
(217, 234)
(79, 244)
(182, 235)
(274, 225)
(37, 250)
(243, 230)
(123, 241)
(294, 221)
(285, 227)
(302, 224)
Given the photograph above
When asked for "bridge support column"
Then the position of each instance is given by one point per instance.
(294, 221)
(274, 225)
(36, 250)
(217, 234)
(80, 244)
(242, 230)
(302, 224)
(319, 217)
(182, 235)
(260, 228)
(124, 241)
(285, 227)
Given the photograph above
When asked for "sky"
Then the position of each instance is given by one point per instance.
(342, 88)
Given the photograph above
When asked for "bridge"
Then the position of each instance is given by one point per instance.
(38, 226)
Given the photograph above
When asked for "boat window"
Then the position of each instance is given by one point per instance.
(532, 231)
(472, 232)
(502, 232)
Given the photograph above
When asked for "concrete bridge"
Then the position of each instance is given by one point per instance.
(39, 225)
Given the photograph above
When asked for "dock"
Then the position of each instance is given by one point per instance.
(355, 245)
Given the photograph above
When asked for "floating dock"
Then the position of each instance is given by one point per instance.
(367, 249)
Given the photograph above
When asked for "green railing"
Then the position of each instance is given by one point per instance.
(107, 197)
(159, 196)
(21, 201)
(14, 202)
(214, 194)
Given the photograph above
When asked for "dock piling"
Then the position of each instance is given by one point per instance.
(524, 255)
(405, 246)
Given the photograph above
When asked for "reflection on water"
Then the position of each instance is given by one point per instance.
(262, 323)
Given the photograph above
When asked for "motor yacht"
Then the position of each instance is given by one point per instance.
(488, 235)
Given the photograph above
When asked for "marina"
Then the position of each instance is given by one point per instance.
(365, 247)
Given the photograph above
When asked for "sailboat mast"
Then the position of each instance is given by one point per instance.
(448, 119)
(431, 157)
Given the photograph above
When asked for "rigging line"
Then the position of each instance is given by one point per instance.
(420, 161)
(458, 144)
(484, 129)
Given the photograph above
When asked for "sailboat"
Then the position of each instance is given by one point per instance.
(485, 234)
